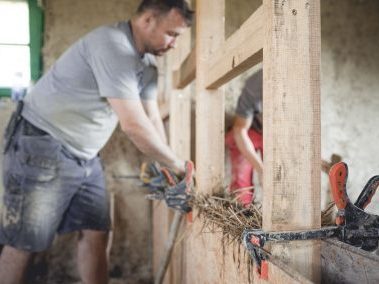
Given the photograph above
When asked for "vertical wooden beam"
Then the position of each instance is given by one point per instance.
(209, 103)
(204, 249)
(291, 102)
(161, 225)
(180, 142)
(161, 214)
(180, 104)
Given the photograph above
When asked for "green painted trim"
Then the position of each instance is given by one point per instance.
(36, 22)
(5, 92)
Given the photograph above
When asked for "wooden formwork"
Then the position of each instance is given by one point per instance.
(179, 111)
(285, 35)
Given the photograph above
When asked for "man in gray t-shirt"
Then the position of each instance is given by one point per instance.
(52, 174)
(71, 101)
(245, 141)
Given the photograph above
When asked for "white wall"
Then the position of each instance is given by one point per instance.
(350, 88)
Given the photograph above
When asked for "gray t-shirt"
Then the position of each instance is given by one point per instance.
(250, 101)
(69, 101)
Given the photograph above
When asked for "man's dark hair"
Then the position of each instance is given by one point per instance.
(164, 6)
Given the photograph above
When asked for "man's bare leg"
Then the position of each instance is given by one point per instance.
(92, 260)
(13, 264)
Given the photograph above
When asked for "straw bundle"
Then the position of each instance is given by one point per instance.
(225, 215)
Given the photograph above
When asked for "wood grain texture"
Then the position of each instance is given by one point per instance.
(209, 103)
(241, 51)
(186, 73)
(180, 142)
(161, 223)
(178, 109)
(203, 264)
(291, 103)
(219, 262)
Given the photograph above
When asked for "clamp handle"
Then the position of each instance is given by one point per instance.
(338, 177)
(367, 193)
(171, 179)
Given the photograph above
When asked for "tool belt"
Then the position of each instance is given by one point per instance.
(13, 123)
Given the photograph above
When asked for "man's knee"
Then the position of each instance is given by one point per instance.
(9, 253)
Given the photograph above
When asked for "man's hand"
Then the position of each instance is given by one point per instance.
(165, 184)
(153, 178)
(178, 194)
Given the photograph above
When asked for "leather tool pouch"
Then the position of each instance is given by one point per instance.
(12, 126)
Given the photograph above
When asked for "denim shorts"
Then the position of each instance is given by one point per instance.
(48, 191)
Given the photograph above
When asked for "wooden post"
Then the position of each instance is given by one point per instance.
(161, 225)
(291, 103)
(204, 249)
(180, 104)
(209, 103)
(161, 215)
(180, 142)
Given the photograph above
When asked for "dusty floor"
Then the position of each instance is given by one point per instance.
(45, 269)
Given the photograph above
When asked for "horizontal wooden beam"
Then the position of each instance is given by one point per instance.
(187, 71)
(241, 51)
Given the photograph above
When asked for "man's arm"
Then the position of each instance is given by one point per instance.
(135, 123)
(152, 110)
(245, 145)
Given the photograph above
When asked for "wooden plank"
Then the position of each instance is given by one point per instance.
(187, 72)
(160, 232)
(162, 216)
(180, 104)
(179, 109)
(180, 123)
(291, 103)
(220, 262)
(240, 52)
(209, 103)
(180, 142)
(202, 266)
